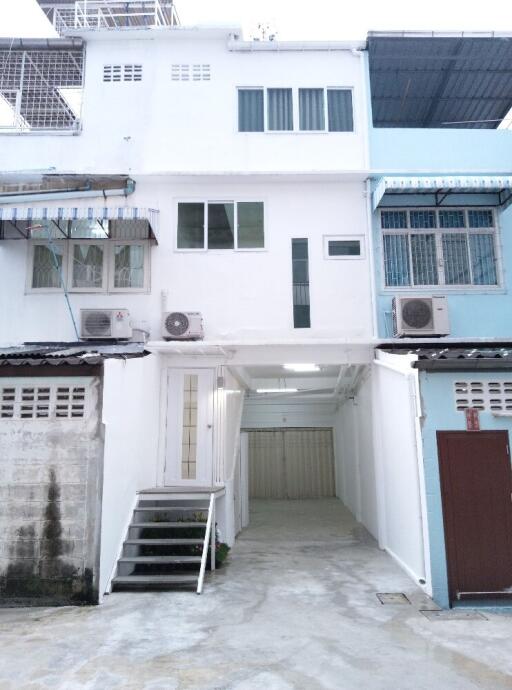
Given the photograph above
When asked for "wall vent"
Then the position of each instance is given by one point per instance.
(47, 402)
(118, 73)
(493, 396)
(194, 72)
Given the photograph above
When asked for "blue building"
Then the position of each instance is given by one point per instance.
(441, 190)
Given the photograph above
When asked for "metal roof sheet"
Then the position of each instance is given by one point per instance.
(81, 353)
(440, 81)
(456, 357)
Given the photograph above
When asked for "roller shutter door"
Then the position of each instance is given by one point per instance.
(291, 463)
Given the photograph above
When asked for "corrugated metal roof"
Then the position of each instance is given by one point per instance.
(457, 357)
(82, 353)
(440, 81)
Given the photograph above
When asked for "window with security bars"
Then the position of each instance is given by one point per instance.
(54, 401)
(493, 396)
(41, 89)
(121, 73)
(448, 247)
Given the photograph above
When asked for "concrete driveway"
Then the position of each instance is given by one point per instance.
(295, 608)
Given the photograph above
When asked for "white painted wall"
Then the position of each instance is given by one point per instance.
(159, 125)
(242, 294)
(397, 467)
(355, 469)
(131, 417)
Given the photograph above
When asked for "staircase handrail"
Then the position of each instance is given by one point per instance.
(209, 536)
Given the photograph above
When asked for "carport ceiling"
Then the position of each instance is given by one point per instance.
(428, 80)
(331, 381)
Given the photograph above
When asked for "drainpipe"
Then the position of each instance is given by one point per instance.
(125, 191)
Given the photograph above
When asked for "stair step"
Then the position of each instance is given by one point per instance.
(171, 509)
(193, 525)
(163, 542)
(158, 560)
(154, 579)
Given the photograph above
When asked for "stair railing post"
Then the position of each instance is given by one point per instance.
(213, 537)
(206, 543)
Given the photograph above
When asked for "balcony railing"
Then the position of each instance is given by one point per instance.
(109, 14)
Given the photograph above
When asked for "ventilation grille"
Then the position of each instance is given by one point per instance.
(493, 396)
(38, 402)
(118, 73)
(198, 72)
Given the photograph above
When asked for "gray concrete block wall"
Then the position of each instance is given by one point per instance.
(50, 504)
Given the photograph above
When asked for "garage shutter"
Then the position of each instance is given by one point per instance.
(291, 463)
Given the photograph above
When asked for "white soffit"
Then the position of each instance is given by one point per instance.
(470, 184)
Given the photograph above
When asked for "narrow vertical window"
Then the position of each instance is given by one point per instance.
(311, 110)
(300, 277)
(280, 109)
(250, 110)
(340, 112)
(47, 266)
(189, 438)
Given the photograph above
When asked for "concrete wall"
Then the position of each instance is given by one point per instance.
(131, 418)
(477, 312)
(398, 480)
(440, 414)
(50, 502)
(355, 470)
(241, 294)
(160, 125)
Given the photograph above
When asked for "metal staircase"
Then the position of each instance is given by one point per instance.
(169, 539)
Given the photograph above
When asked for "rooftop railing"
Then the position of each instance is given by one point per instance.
(109, 14)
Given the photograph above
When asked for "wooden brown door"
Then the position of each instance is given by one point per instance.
(476, 486)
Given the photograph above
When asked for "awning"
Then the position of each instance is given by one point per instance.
(497, 190)
(32, 221)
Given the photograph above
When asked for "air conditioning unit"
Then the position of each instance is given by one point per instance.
(105, 324)
(420, 317)
(182, 325)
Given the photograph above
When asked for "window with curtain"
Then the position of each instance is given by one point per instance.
(340, 110)
(221, 226)
(250, 110)
(429, 247)
(280, 109)
(87, 266)
(311, 109)
(47, 266)
(129, 266)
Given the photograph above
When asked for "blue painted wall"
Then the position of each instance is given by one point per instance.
(439, 414)
(454, 151)
(473, 313)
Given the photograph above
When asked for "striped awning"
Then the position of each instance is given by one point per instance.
(21, 216)
(498, 189)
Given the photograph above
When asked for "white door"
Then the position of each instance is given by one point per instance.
(189, 450)
(291, 463)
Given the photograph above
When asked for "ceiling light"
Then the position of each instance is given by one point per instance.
(277, 390)
(302, 368)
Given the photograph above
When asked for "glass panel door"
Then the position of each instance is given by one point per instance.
(189, 447)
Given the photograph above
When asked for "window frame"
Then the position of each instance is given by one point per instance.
(441, 286)
(206, 202)
(296, 109)
(344, 257)
(108, 267)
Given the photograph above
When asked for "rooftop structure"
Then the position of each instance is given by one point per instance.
(69, 16)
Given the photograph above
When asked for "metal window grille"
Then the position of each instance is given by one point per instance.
(42, 88)
(494, 396)
(453, 252)
(42, 402)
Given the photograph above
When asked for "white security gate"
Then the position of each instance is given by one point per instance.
(291, 463)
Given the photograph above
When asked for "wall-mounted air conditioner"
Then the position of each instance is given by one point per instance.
(105, 324)
(420, 317)
(182, 325)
